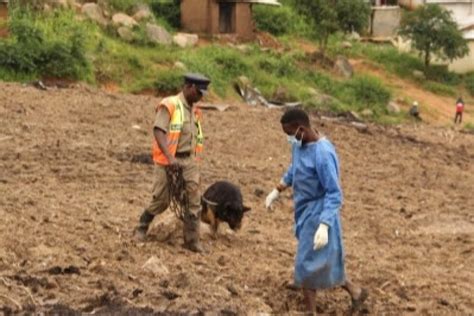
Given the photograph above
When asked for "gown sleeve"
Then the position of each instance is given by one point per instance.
(327, 169)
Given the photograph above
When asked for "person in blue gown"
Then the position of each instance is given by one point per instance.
(314, 176)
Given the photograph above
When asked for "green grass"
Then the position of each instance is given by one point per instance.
(469, 82)
(439, 88)
(394, 61)
(469, 127)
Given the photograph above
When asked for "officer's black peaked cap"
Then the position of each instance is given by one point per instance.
(199, 80)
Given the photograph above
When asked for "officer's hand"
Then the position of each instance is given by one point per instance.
(271, 198)
(321, 236)
(173, 163)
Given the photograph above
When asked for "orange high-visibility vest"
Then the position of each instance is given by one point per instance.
(176, 110)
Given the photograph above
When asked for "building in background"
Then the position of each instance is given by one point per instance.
(216, 17)
(3, 18)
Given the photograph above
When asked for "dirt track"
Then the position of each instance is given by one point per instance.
(72, 187)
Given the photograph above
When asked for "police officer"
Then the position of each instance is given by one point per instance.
(178, 141)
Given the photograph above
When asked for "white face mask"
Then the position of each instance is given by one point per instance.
(294, 141)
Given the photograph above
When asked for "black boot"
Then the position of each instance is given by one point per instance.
(145, 220)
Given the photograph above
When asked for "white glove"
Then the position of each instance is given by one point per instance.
(321, 236)
(271, 198)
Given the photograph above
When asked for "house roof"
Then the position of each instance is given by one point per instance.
(467, 23)
(266, 2)
(467, 27)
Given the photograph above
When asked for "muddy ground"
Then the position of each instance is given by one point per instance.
(74, 179)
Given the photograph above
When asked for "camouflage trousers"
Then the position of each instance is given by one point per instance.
(160, 198)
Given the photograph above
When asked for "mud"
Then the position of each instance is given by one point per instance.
(75, 175)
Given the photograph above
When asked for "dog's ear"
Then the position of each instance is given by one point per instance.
(246, 209)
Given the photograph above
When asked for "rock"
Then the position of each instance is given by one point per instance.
(185, 40)
(72, 3)
(142, 15)
(58, 4)
(419, 74)
(125, 33)
(393, 107)
(243, 48)
(346, 44)
(244, 81)
(180, 65)
(155, 266)
(121, 19)
(354, 36)
(367, 113)
(323, 101)
(232, 290)
(93, 12)
(158, 34)
(361, 127)
(343, 67)
(77, 7)
(353, 116)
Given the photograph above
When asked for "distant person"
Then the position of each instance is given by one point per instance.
(314, 176)
(414, 111)
(459, 110)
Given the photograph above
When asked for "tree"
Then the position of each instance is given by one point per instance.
(432, 30)
(330, 16)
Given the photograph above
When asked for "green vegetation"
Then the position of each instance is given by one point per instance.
(329, 17)
(439, 88)
(469, 127)
(58, 45)
(469, 80)
(280, 21)
(46, 45)
(167, 11)
(359, 93)
(123, 5)
(440, 80)
(432, 30)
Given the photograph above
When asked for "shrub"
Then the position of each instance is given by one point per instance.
(440, 73)
(469, 127)
(369, 91)
(469, 80)
(279, 66)
(53, 46)
(361, 92)
(221, 64)
(169, 11)
(439, 88)
(279, 20)
(168, 81)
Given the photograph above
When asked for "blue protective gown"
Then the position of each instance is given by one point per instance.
(314, 176)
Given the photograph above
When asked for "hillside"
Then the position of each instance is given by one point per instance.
(73, 187)
(121, 47)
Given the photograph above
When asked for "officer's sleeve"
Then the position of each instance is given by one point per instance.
(162, 119)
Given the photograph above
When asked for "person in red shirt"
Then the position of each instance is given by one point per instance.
(459, 110)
